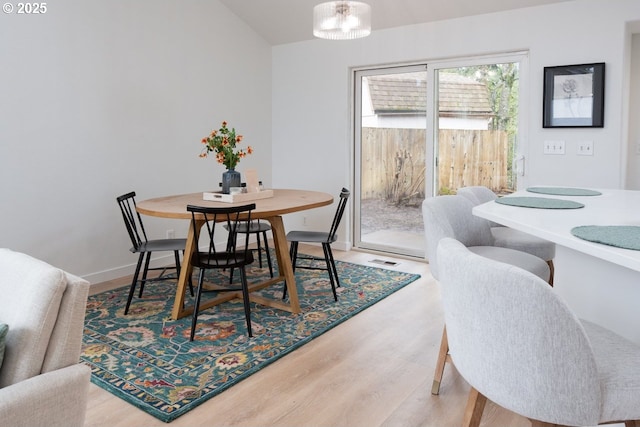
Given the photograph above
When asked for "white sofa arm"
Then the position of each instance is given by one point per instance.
(57, 398)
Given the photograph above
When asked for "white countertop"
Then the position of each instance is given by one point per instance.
(613, 207)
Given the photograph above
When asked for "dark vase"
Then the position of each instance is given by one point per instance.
(230, 178)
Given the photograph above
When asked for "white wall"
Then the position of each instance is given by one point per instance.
(99, 98)
(633, 164)
(312, 121)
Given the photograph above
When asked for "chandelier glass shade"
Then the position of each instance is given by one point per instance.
(341, 20)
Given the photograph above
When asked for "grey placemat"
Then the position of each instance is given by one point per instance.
(564, 191)
(539, 202)
(620, 236)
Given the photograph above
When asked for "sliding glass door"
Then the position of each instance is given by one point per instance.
(422, 131)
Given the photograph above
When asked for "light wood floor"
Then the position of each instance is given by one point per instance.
(375, 369)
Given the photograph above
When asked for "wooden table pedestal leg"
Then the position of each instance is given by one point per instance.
(284, 261)
(185, 272)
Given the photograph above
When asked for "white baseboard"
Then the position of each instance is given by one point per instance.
(337, 245)
(127, 270)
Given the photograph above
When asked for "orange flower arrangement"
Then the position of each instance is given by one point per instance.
(223, 143)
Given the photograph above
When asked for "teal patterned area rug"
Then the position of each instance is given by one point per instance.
(147, 359)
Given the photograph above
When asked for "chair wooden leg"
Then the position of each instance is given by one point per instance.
(632, 423)
(474, 409)
(551, 269)
(443, 355)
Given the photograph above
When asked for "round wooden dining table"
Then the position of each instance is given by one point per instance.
(271, 209)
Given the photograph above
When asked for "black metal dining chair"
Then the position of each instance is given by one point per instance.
(145, 247)
(259, 228)
(233, 255)
(325, 238)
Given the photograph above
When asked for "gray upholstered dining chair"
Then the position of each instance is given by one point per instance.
(509, 237)
(451, 216)
(517, 343)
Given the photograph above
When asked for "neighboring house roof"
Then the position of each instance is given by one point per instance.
(459, 96)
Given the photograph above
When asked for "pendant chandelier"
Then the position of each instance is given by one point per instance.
(341, 20)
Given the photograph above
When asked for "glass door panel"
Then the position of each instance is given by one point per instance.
(477, 126)
(391, 165)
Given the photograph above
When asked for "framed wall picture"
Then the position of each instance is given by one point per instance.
(573, 96)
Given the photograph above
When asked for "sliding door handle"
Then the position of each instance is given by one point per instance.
(520, 163)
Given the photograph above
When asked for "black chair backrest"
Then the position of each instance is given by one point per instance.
(225, 218)
(132, 219)
(344, 197)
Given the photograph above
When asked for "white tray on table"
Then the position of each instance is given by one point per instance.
(218, 196)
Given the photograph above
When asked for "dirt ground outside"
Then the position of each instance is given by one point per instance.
(378, 214)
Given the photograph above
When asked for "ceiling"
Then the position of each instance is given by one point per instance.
(288, 21)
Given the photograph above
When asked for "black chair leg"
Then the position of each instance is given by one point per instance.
(333, 265)
(327, 259)
(230, 243)
(177, 257)
(266, 249)
(144, 274)
(246, 300)
(196, 307)
(134, 282)
(178, 278)
(293, 254)
(259, 250)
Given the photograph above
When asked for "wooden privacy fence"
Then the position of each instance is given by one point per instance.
(394, 166)
(473, 157)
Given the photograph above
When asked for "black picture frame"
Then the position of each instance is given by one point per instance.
(573, 96)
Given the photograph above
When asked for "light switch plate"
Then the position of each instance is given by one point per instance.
(585, 148)
(554, 147)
